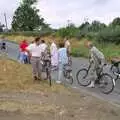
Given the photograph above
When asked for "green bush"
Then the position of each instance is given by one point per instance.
(109, 35)
(28, 33)
(70, 31)
(80, 52)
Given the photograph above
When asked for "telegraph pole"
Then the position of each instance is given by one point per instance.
(6, 21)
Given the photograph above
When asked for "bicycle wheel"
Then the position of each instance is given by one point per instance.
(48, 77)
(106, 85)
(68, 78)
(82, 77)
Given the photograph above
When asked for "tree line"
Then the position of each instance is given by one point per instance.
(26, 18)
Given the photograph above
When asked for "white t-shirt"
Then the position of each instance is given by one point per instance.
(35, 50)
(43, 47)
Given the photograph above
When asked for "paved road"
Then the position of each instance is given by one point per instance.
(77, 64)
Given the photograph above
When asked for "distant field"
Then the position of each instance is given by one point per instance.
(78, 48)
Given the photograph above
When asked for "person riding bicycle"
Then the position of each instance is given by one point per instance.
(3, 47)
(97, 61)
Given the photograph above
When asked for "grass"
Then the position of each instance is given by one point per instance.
(18, 77)
(23, 96)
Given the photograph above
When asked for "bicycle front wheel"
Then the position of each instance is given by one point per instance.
(106, 84)
(82, 77)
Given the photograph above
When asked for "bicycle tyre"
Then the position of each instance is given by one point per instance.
(69, 79)
(104, 80)
(84, 74)
(49, 77)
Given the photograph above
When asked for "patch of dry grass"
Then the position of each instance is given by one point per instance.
(19, 77)
(27, 108)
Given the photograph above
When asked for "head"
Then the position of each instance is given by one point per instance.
(66, 39)
(37, 40)
(42, 41)
(24, 41)
(89, 44)
(61, 45)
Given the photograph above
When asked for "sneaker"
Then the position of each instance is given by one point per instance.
(58, 82)
(39, 78)
(35, 78)
(91, 85)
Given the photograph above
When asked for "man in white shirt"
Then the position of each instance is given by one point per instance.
(34, 50)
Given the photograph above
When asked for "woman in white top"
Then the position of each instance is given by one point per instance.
(34, 50)
(54, 54)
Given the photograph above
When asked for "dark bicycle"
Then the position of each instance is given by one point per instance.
(115, 68)
(67, 71)
(104, 81)
(46, 67)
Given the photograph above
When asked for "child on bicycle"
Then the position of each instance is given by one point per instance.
(97, 61)
(62, 60)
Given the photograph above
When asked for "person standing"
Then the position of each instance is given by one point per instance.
(34, 50)
(3, 52)
(62, 60)
(43, 45)
(54, 54)
(67, 45)
(23, 55)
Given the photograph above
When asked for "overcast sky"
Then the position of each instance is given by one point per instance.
(57, 12)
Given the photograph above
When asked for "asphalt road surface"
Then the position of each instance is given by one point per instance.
(13, 52)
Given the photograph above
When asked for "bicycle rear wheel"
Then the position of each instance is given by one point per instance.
(106, 84)
(68, 78)
(82, 77)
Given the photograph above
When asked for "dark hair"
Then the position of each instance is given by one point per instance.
(37, 39)
(42, 41)
(61, 45)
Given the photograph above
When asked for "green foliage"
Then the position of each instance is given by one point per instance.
(28, 33)
(109, 35)
(80, 52)
(26, 17)
(69, 31)
(1, 27)
(116, 22)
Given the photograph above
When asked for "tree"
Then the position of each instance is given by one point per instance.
(116, 22)
(26, 17)
(97, 26)
(1, 27)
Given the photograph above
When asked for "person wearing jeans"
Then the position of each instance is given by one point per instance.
(34, 51)
(62, 60)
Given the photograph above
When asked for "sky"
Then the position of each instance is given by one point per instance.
(58, 12)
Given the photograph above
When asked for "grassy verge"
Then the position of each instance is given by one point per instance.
(18, 77)
(21, 98)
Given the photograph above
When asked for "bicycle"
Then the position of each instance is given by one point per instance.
(67, 72)
(115, 69)
(103, 80)
(46, 67)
